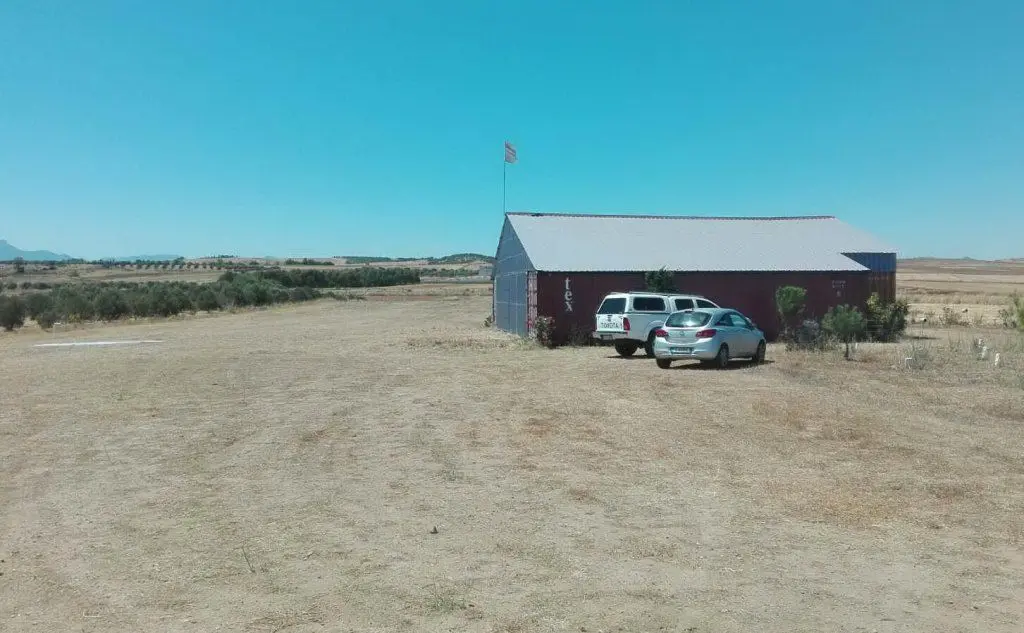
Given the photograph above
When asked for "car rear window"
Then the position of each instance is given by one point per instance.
(688, 319)
(648, 304)
(613, 305)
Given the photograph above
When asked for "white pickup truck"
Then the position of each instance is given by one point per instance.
(629, 319)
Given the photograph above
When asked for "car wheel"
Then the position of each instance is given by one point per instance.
(664, 363)
(722, 360)
(649, 346)
(625, 349)
(759, 356)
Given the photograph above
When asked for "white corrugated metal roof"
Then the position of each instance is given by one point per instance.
(617, 243)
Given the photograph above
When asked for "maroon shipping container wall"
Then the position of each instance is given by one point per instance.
(573, 298)
(884, 284)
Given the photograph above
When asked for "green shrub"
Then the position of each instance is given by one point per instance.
(314, 278)
(1012, 315)
(790, 302)
(660, 281)
(544, 331)
(886, 322)
(47, 319)
(140, 303)
(73, 304)
(114, 300)
(12, 312)
(809, 336)
(845, 323)
(207, 300)
(36, 303)
(12, 285)
(110, 305)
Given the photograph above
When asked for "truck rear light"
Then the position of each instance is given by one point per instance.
(625, 324)
(706, 333)
(660, 333)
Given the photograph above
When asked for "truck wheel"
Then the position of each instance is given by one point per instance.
(664, 363)
(626, 349)
(649, 346)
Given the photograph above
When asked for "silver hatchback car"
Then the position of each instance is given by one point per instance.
(710, 336)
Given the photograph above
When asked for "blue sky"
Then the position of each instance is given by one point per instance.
(376, 127)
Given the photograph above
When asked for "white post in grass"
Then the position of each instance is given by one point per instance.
(984, 353)
(998, 359)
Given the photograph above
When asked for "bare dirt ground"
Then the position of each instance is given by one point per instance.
(283, 470)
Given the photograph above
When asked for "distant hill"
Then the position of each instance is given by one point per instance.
(145, 258)
(9, 252)
(462, 258)
(457, 258)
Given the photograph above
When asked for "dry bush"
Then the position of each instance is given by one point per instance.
(952, 317)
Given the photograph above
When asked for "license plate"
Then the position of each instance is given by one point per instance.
(606, 337)
(681, 350)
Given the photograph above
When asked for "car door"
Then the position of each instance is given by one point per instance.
(745, 343)
(732, 334)
(726, 332)
(647, 310)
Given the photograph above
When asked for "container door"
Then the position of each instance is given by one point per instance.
(531, 301)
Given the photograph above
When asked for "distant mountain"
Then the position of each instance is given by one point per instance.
(9, 252)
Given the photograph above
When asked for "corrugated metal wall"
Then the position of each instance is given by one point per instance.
(882, 278)
(875, 262)
(511, 270)
(573, 298)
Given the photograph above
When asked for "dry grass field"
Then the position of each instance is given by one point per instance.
(284, 470)
(974, 290)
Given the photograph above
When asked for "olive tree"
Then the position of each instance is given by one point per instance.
(846, 323)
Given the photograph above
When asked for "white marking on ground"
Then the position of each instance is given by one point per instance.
(96, 343)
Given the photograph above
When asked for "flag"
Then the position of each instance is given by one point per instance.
(510, 152)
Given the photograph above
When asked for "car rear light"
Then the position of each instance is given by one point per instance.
(660, 333)
(625, 324)
(705, 334)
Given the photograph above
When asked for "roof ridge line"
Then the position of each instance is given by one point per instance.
(671, 217)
